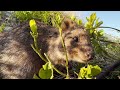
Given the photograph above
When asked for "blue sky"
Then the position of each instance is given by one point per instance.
(109, 18)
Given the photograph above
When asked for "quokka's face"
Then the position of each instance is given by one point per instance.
(77, 42)
(78, 45)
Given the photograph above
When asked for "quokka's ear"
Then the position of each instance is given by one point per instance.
(67, 24)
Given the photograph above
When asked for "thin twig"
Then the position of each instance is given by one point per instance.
(110, 28)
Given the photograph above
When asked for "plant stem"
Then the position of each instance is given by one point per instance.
(35, 43)
(109, 27)
(58, 71)
(53, 66)
(63, 44)
(39, 53)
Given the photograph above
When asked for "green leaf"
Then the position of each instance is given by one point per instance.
(95, 70)
(91, 31)
(88, 25)
(101, 32)
(46, 72)
(73, 17)
(35, 77)
(92, 18)
(79, 22)
(33, 26)
(97, 21)
(45, 67)
(2, 27)
(82, 73)
(98, 24)
(49, 65)
(89, 69)
(87, 19)
(89, 72)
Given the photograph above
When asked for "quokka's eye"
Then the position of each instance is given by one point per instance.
(75, 39)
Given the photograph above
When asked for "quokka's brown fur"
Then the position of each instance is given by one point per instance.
(19, 61)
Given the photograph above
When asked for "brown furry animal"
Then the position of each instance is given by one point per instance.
(19, 61)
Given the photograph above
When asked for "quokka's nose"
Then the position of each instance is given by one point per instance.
(89, 56)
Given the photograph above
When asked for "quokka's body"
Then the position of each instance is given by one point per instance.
(19, 61)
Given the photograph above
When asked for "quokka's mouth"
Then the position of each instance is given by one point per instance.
(79, 61)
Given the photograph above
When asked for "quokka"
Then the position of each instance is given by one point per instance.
(19, 61)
